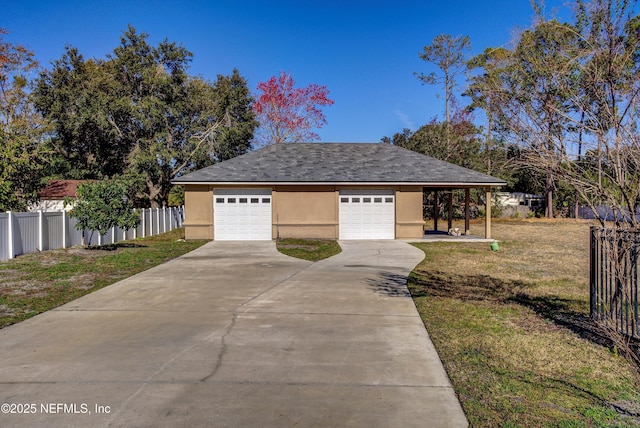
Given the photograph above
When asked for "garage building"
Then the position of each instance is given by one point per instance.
(320, 190)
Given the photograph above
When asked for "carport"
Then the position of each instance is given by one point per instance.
(444, 195)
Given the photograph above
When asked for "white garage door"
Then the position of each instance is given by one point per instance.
(242, 214)
(367, 214)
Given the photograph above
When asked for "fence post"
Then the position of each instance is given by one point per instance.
(170, 218)
(593, 286)
(143, 223)
(158, 221)
(40, 231)
(164, 219)
(64, 229)
(10, 235)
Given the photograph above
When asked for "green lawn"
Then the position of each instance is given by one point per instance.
(308, 249)
(34, 283)
(513, 331)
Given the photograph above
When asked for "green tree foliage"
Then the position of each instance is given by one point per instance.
(537, 94)
(232, 105)
(140, 113)
(526, 92)
(176, 196)
(482, 95)
(76, 95)
(154, 86)
(457, 142)
(102, 205)
(21, 129)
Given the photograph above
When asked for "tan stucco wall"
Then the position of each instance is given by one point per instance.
(303, 211)
(198, 202)
(409, 220)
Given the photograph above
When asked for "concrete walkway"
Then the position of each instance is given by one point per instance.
(235, 335)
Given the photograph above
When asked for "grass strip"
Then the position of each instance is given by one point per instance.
(37, 282)
(308, 249)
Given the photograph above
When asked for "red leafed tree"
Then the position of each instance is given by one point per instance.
(289, 114)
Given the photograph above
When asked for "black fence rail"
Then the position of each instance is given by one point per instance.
(614, 279)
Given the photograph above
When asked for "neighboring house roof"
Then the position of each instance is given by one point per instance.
(337, 163)
(60, 189)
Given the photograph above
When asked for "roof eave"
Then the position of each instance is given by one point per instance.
(343, 183)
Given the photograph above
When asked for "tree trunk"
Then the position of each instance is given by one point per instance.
(447, 107)
(576, 206)
(153, 194)
(549, 195)
(489, 137)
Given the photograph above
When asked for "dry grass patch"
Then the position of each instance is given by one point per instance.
(513, 330)
(37, 282)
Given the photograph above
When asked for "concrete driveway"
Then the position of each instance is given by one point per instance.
(235, 335)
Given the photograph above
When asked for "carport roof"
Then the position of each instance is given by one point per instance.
(337, 163)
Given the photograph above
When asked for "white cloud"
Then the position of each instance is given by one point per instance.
(405, 119)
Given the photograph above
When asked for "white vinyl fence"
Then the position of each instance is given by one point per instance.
(23, 233)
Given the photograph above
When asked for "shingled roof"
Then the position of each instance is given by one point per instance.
(337, 163)
(60, 189)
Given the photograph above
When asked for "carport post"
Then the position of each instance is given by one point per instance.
(436, 210)
(467, 213)
(487, 218)
(450, 213)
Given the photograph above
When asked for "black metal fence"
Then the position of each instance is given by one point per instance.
(614, 279)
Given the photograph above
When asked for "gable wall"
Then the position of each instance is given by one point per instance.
(198, 211)
(409, 219)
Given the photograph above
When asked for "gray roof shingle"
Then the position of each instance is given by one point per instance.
(337, 163)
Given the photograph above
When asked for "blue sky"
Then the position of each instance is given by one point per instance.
(365, 52)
